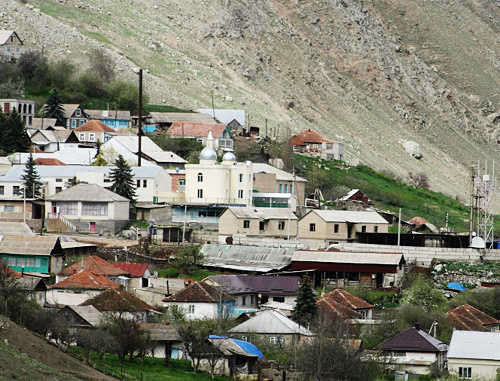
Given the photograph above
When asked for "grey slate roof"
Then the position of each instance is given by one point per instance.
(271, 322)
(88, 313)
(15, 228)
(247, 258)
(87, 192)
(262, 213)
(24, 245)
(475, 345)
(162, 332)
(350, 216)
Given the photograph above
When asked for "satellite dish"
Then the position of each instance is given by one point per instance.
(229, 240)
(477, 243)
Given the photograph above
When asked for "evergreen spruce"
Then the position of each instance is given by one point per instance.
(17, 137)
(31, 180)
(3, 134)
(123, 180)
(53, 107)
(72, 182)
(305, 309)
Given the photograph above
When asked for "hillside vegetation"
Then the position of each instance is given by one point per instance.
(369, 73)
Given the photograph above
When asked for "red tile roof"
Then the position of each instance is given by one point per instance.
(96, 265)
(310, 136)
(198, 130)
(94, 126)
(8, 271)
(468, 318)
(347, 299)
(134, 269)
(335, 309)
(417, 221)
(200, 292)
(47, 161)
(295, 140)
(86, 280)
(117, 300)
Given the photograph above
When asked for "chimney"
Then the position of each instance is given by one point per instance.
(417, 326)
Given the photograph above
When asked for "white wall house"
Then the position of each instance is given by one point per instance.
(25, 108)
(212, 182)
(11, 46)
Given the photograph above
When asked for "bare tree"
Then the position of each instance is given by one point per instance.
(419, 180)
(130, 339)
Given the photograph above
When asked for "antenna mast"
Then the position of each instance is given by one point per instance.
(485, 189)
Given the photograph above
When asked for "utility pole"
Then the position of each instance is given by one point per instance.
(139, 134)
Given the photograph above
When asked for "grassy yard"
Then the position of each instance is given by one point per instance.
(150, 370)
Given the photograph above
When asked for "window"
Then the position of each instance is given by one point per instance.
(82, 136)
(286, 188)
(281, 188)
(363, 229)
(243, 300)
(81, 122)
(191, 309)
(30, 262)
(399, 354)
(58, 189)
(240, 193)
(58, 180)
(15, 190)
(8, 49)
(182, 181)
(465, 373)
(279, 299)
(200, 193)
(375, 229)
(8, 208)
(17, 49)
(244, 338)
(11, 262)
(240, 177)
(291, 188)
(200, 177)
(2, 189)
(144, 183)
(95, 208)
(246, 224)
(276, 341)
(312, 227)
(73, 124)
(281, 225)
(66, 208)
(91, 137)
(336, 228)
(262, 225)
(138, 183)
(78, 112)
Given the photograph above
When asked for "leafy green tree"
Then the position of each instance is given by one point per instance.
(125, 95)
(33, 67)
(123, 180)
(59, 73)
(54, 106)
(305, 309)
(186, 259)
(422, 293)
(31, 180)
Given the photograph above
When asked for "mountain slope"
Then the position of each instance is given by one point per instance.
(369, 73)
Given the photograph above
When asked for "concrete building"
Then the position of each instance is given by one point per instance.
(11, 46)
(211, 182)
(87, 208)
(474, 354)
(278, 223)
(340, 225)
(25, 108)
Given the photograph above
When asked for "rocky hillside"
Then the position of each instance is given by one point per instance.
(372, 74)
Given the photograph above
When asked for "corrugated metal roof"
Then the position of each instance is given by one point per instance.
(280, 174)
(161, 332)
(261, 213)
(165, 157)
(351, 193)
(356, 217)
(88, 313)
(48, 171)
(475, 345)
(271, 322)
(247, 258)
(225, 116)
(134, 269)
(111, 114)
(414, 340)
(347, 257)
(236, 284)
(87, 192)
(15, 228)
(171, 117)
(26, 245)
(468, 318)
(46, 122)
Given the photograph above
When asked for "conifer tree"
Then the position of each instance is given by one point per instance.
(17, 140)
(3, 133)
(123, 180)
(53, 107)
(305, 309)
(31, 180)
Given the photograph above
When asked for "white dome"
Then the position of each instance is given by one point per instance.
(208, 153)
(229, 156)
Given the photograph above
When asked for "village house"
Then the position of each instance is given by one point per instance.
(335, 310)
(25, 108)
(45, 124)
(468, 318)
(94, 131)
(363, 308)
(32, 254)
(202, 301)
(271, 223)
(74, 116)
(112, 118)
(225, 116)
(269, 183)
(51, 140)
(140, 274)
(118, 302)
(163, 120)
(309, 141)
(87, 208)
(67, 154)
(272, 327)
(151, 153)
(348, 268)
(11, 46)
(97, 266)
(221, 134)
(356, 196)
(167, 340)
(34, 287)
(340, 225)
(474, 355)
(82, 317)
(414, 351)
(251, 291)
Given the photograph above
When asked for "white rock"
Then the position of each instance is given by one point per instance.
(412, 148)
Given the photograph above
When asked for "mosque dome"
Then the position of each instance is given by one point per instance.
(208, 153)
(229, 156)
